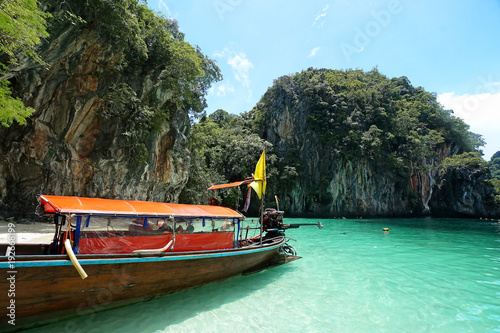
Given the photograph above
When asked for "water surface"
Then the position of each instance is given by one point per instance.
(423, 275)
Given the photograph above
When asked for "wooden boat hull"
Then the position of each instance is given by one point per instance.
(49, 287)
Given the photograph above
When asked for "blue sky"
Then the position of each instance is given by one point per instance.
(451, 48)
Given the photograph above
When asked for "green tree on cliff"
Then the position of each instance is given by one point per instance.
(471, 160)
(365, 115)
(494, 165)
(22, 25)
(225, 150)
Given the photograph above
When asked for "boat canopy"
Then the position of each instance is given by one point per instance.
(234, 184)
(53, 204)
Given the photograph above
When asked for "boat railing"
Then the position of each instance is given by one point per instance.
(246, 243)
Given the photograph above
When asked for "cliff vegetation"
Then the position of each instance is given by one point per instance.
(225, 149)
(494, 166)
(349, 142)
(112, 87)
(22, 25)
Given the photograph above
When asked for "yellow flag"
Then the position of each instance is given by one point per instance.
(259, 184)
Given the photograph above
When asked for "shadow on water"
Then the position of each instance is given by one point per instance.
(157, 314)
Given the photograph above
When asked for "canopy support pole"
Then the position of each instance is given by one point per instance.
(261, 214)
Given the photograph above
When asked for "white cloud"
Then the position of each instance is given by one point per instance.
(239, 63)
(164, 7)
(313, 52)
(321, 14)
(474, 109)
(224, 89)
(241, 67)
(481, 111)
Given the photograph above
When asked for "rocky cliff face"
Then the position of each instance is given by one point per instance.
(423, 182)
(332, 185)
(69, 147)
(463, 192)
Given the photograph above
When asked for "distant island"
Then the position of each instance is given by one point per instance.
(109, 102)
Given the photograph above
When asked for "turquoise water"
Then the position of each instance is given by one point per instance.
(424, 275)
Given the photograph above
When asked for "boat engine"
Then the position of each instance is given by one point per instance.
(273, 219)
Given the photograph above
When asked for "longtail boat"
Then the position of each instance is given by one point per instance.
(107, 253)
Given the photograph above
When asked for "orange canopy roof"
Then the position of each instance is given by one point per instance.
(75, 205)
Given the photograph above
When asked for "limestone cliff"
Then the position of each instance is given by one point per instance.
(463, 192)
(91, 100)
(334, 186)
(364, 145)
(328, 184)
